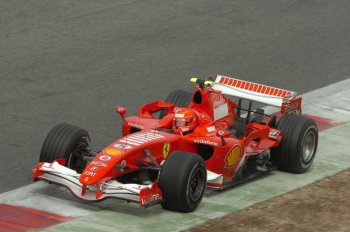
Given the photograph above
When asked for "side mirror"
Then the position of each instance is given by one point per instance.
(223, 134)
(121, 111)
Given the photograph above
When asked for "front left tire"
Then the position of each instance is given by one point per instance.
(182, 181)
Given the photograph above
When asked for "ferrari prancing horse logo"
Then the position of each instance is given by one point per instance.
(233, 156)
(166, 149)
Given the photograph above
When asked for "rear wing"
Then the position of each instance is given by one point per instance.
(287, 100)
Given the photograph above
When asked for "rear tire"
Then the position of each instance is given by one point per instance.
(298, 146)
(182, 181)
(68, 142)
(178, 97)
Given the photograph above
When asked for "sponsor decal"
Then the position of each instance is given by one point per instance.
(94, 169)
(112, 151)
(105, 157)
(211, 128)
(220, 111)
(99, 163)
(233, 157)
(274, 133)
(122, 146)
(140, 138)
(152, 198)
(123, 164)
(88, 173)
(86, 178)
(135, 125)
(291, 107)
(217, 99)
(206, 142)
(166, 149)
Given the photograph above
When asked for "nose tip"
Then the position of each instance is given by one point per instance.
(88, 178)
(84, 180)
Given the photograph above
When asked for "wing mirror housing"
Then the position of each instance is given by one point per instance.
(223, 134)
(121, 110)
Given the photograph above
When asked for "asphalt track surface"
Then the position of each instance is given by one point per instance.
(74, 61)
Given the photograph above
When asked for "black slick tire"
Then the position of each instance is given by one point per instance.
(65, 141)
(182, 181)
(298, 147)
(178, 97)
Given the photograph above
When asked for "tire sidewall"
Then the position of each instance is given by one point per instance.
(197, 166)
(288, 155)
(310, 129)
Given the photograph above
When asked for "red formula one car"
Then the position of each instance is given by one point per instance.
(173, 150)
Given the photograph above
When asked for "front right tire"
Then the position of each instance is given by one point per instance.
(67, 142)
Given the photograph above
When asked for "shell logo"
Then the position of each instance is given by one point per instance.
(233, 156)
(113, 151)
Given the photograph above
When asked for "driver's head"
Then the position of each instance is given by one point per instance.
(184, 120)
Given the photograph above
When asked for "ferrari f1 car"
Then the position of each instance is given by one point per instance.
(172, 150)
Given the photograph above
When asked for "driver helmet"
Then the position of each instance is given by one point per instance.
(184, 120)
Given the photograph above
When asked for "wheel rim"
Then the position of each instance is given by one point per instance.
(75, 160)
(196, 185)
(309, 144)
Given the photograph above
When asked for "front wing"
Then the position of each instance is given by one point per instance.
(145, 195)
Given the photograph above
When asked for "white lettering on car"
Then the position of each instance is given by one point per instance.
(153, 198)
(99, 163)
(105, 157)
(206, 142)
(88, 173)
(135, 125)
